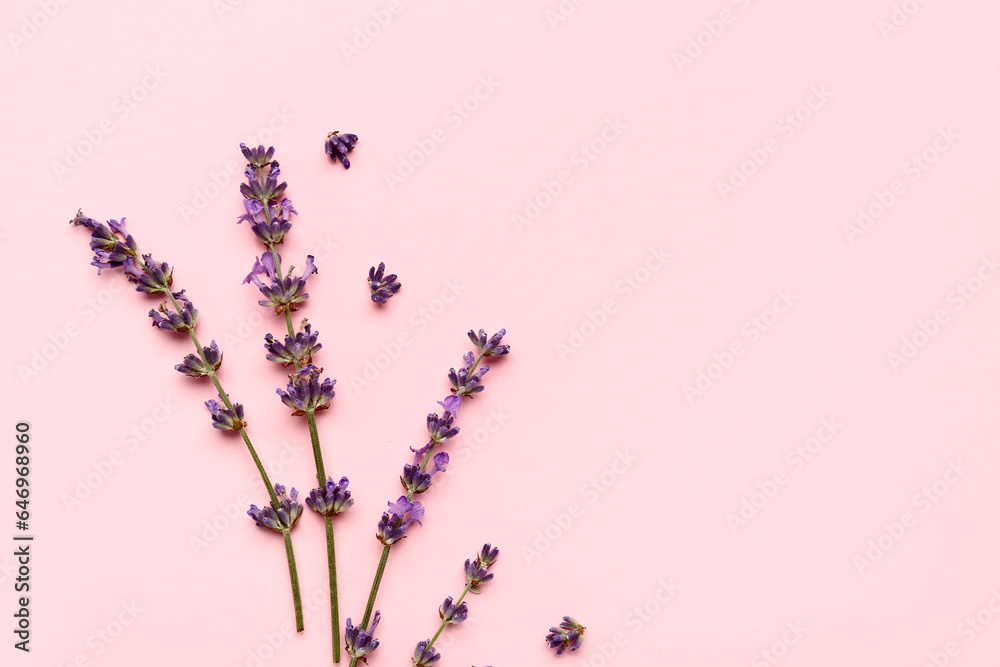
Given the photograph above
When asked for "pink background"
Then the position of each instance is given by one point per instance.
(589, 112)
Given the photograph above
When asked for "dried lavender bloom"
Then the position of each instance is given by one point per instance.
(441, 428)
(477, 571)
(569, 635)
(265, 212)
(226, 419)
(280, 518)
(305, 393)
(490, 347)
(331, 499)
(451, 612)
(360, 641)
(280, 292)
(417, 480)
(194, 366)
(425, 654)
(339, 145)
(150, 276)
(179, 322)
(110, 251)
(393, 524)
(464, 384)
(257, 157)
(382, 286)
(295, 350)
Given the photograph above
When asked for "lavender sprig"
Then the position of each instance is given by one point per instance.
(416, 477)
(453, 612)
(339, 145)
(268, 211)
(114, 247)
(569, 635)
(382, 286)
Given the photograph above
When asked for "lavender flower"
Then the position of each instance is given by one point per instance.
(441, 428)
(477, 571)
(257, 157)
(226, 419)
(464, 384)
(269, 223)
(149, 277)
(110, 251)
(305, 393)
(382, 286)
(451, 612)
(569, 635)
(330, 499)
(280, 518)
(179, 322)
(490, 347)
(416, 480)
(295, 350)
(361, 641)
(196, 367)
(339, 145)
(281, 292)
(393, 524)
(425, 654)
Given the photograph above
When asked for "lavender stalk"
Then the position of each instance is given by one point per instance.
(114, 247)
(453, 612)
(268, 212)
(417, 477)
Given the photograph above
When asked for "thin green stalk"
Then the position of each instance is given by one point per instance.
(444, 623)
(289, 553)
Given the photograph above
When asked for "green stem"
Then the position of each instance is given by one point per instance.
(289, 553)
(334, 613)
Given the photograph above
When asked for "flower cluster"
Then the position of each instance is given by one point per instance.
(112, 244)
(489, 347)
(197, 366)
(393, 524)
(339, 145)
(281, 517)
(226, 419)
(305, 393)
(425, 654)
(361, 641)
(178, 321)
(569, 635)
(417, 480)
(296, 350)
(267, 211)
(451, 612)
(477, 571)
(281, 292)
(382, 286)
(464, 382)
(330, 499)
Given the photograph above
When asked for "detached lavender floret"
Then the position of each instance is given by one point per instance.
(382, 286)
(569, 635)
(425, 654)
(280, 518)
(331, 499)
(393, 524)
(360, 641)
(226, 419)
(339, 145)
(280, 292)
(295, 350)
(196, 367)
(305, 393)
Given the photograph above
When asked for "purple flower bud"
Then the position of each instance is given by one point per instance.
(339, 145)
(425, 655)
(393, 524)
(477, 571)
(280, 292)
(151, 277)
(382, 287)
(226, 419)
(168, 320)
(415, 480)
(305, 393)
(269, 224)
(257, 157)
(488, 555)
(361, 641)
(464, 384)
(490, 347)
(569, 635)
(331, 499)
(196, 367)
(441, 428)
(110, 251)
(280, 518)
(294, 350)
(452, 613)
